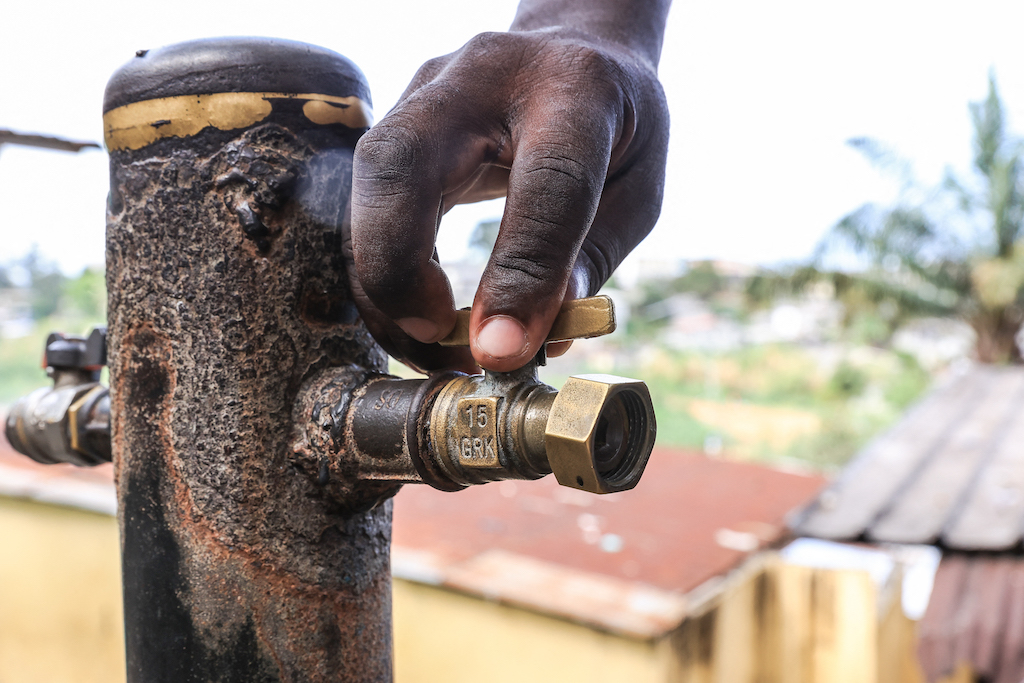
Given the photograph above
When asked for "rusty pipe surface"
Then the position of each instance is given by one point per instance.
(230, 166)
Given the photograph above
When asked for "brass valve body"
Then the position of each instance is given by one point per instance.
(68, 423)
(491, 427)
(596, 434)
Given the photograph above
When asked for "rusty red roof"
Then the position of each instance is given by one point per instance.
(88, 488)
(690, 518)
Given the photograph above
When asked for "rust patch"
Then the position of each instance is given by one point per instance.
(667, 524)
(974, 618)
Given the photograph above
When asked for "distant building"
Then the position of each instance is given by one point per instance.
(949, 474)
(935, 342)
(694, 325)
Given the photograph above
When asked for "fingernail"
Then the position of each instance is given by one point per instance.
(501, 337)
(420, 329)
(556, 349)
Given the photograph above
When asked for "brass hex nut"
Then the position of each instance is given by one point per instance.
(600, 433)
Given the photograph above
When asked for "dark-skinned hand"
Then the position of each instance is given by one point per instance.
(572, 128)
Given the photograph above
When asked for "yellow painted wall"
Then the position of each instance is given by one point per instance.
(779, 623)
(60, 622)
(60, 618)
(445, 637)
(60, 595)
(897, 644)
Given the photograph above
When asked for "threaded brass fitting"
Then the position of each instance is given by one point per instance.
(600, 433)
(596, 434)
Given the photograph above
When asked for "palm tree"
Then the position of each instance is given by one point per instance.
(952, 250)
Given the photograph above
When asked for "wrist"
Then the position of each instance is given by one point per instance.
(637, 26)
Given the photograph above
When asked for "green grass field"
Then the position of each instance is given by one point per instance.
(774, 402)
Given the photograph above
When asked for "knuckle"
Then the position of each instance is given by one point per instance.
(521, 285)
(593, 63)
(387, 152)
(557, 163)
(537, 261)
(597, 264)
(488, 44)
(563, 180)
(430, 69)
(591, 76)
(487, 64)
(545, 239)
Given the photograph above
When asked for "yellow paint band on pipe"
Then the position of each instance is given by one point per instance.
(138, 124)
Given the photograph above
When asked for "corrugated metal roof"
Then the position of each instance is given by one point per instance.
(689, 519)
(951, 472)
(975, 617)
(629, 563)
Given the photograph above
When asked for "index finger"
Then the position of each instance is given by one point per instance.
(402, 169)
(554, 190)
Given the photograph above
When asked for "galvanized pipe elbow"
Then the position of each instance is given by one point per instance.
(68, 422)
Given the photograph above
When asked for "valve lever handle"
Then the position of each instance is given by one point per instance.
(593, 316)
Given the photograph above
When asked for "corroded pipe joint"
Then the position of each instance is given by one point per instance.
(450, 431)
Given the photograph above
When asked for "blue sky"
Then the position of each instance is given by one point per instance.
(763, 96)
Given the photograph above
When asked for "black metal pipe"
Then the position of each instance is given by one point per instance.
(230, 165)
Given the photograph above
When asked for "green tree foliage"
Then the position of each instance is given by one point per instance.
(49, 292)
(951, 250)
(701, 279)
(649, 311)
(46, 283)
(87, 294)
(55, 303)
